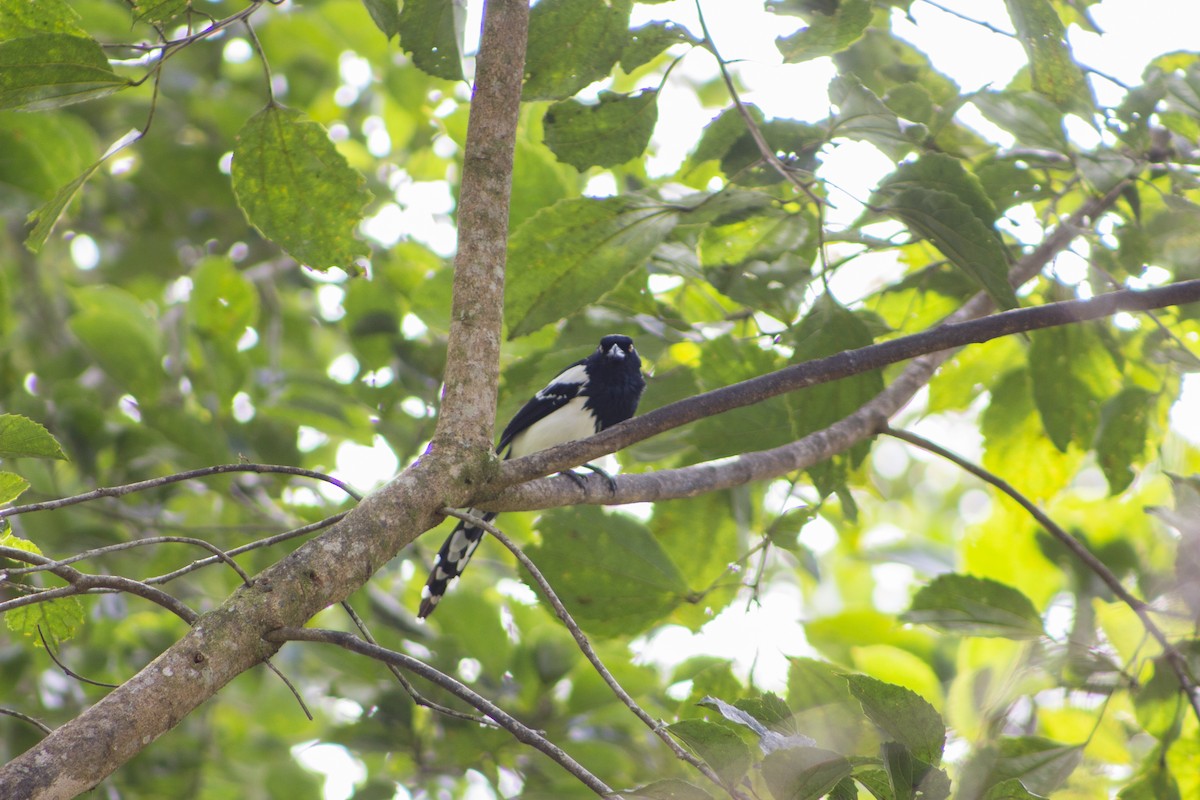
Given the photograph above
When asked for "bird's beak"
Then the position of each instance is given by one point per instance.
(616, 352)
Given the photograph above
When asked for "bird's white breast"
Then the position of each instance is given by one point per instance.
(567, 424)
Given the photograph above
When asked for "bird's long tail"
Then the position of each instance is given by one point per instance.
(451, 561)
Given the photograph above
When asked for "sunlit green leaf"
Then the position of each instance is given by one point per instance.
(1055, 73)
(604, 134)
(976, 607)
(284, 167)
(829, 30)
(58, 619)
(569, 255)
(1072, 373)
(50, 70)
(12, 486)
(21, 437)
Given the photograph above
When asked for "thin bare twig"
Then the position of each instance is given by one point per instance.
(519, 730)
(219, 555)
(43, 727)
(154, 483)
(416, 696)
(67, 670)
(1176, 659)
(656, 726)
(291, 687)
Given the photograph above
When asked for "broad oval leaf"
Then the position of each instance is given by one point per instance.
(602, 134)
(973, 606)
(720, 747)
(571, 254)
(572, 43)
(804, 773)
(608, 570)
(21, 437)
(826, 34)
(50, 70)
(903, 715)
(297, 189)
(431, 30)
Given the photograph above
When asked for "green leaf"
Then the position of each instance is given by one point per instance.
(768, 740)
(864, 117)
(159, 12)
(720, 747)
(902, 715)
(431, 31)
(223, 302)
(12, 486)
(386, 16)
(115, 329)
(646, 42)
(1032, 119)
(1072, 374)
(41, 152)
(827, 33)
(284, 168)
(669, 789)
(1055, 73)
(960, 235)
(944, 173)
(1040, 764)
(1011, 789)
(602, 134)
(804, 773)
(971, 606)
(50, 70)
(571, 254)
(608, 570)
(59, 619)
(21, 18)
(21, 437)
(1121, 438)
(572, 43)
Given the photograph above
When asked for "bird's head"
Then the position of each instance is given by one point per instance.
(616, 347)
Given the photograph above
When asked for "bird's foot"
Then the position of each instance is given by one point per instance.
(581, 481)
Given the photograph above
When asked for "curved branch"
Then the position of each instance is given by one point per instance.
(1176, 659)
(934, 345)
(154, 483)
(519, 730)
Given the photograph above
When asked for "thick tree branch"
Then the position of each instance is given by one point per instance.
(689, 481)
(473, 349)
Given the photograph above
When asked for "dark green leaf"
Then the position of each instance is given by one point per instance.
(960, 235)
(1121, 437)
(608, 570)
(386, 16)
(804, 773)
(827, 32)
(569, 255)
(973, 606)
(943, 173)
(902, 715)
(863, 116)
(1055, 73)
(1040, 764)
(284, 167)
(720, 747)
(646, 42)
(21, 437)
(604, 134)
(669, 789)
(223, 303)
(50, 70)
(1072, 374)
(1011, 789)
(572, 43)
(41, 152)
(430, 31)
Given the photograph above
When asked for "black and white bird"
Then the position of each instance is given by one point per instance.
(592, 394)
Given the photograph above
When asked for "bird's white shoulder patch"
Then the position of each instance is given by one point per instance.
(566, 424)
(575, 374)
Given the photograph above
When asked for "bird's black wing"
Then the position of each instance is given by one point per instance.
(564, 387)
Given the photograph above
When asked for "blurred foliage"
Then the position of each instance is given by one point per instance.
(148, 327)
